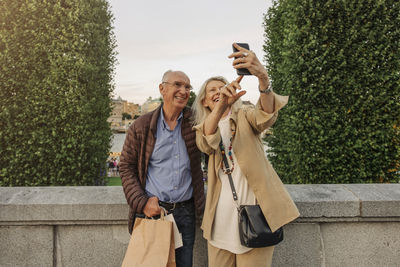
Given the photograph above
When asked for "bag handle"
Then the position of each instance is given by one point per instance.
(225, 160)
(162, 214)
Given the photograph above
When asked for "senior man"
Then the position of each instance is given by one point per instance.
(161, 164)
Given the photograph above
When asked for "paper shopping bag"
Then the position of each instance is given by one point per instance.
(151, 244)
(177, 235)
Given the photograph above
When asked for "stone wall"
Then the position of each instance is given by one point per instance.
(340, 225)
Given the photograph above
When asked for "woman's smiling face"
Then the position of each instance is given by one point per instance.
(212, 94)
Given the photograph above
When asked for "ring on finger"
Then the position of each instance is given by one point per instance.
(245, 54)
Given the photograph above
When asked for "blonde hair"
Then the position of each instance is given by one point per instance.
(201, 112)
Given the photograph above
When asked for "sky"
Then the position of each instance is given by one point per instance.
(192, 36)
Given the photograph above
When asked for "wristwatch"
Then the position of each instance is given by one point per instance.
(268, 90)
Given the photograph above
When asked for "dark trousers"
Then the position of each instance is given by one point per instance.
(185, 220)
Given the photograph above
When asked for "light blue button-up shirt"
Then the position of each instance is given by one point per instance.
(168, 175)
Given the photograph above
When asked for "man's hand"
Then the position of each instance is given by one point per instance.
(152, 208)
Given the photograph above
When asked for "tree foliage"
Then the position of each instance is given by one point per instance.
(126, 116)
(339, 61)
(57, 60)
(192, 97)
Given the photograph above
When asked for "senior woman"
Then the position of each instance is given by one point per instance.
(219, 115)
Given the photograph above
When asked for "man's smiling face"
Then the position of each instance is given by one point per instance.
(175, 90)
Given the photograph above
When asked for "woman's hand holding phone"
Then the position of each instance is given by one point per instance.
(243, 53)
(247, 59)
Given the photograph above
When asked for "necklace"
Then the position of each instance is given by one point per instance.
(222, 147)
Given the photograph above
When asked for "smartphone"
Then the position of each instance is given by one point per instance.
(242, 71)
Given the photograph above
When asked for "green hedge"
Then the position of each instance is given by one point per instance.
(340, 63)
(57, 60)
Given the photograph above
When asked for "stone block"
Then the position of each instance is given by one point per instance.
(324, 200)
(300, 247)
(67, 203)
(377, 200)
(96, 245)
(92, 245)
(200, 249)
(340, 225)
(367, 244)
(26, 246)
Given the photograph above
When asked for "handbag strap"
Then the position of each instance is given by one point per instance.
(225, 160)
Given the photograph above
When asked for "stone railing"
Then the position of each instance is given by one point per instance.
(340, 225)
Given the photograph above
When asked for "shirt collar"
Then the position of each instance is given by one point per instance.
(163, 122)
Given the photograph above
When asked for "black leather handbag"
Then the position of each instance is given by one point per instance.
(254, 230)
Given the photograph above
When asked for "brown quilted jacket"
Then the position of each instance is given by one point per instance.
(135, 156)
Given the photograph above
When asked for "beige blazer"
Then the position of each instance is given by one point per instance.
(272, 196)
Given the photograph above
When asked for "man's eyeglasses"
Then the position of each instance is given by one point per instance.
(178, 85)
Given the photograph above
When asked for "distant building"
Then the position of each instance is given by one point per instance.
(150, 105)
(121, 106)
(115, 119)
(131, 108)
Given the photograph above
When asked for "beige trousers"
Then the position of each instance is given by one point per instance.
(257, 257)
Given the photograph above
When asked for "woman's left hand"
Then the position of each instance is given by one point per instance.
(247, 59)
(228, 94)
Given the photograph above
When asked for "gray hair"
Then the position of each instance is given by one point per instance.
(165, 75)
(168, 72)
(201, 112)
